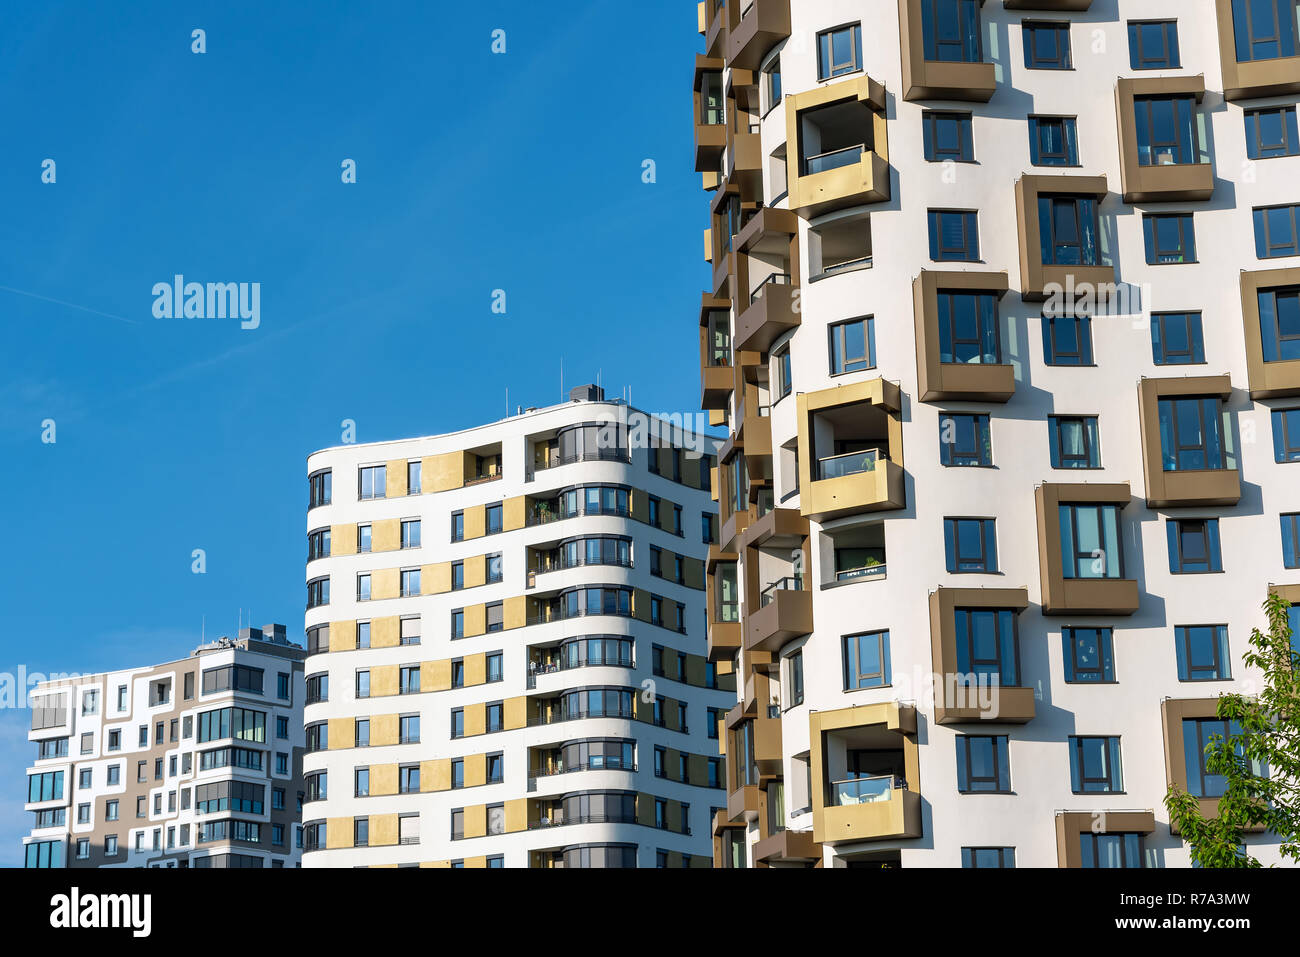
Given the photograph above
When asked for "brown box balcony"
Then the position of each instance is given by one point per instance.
(869, 481)
(1173, 711)
(885, 807)
(960, 698)
(934, 79)
(1072, 825)
(839, 147)
(754, 27)
(1158, 182)
(723, 640)
(1036, 277)
(1175, 488)
(769, 314)
(745, 161)
(779, 528)
(713, 24)
(1255, 78)
(765, 733)
(785, 613)
(939, 381)
(1270, 376)
(742, 803)
(710, 121)
(788, 847)
(1078, 596)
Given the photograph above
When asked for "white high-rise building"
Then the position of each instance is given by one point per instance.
(506, 637)
(192, 763)
(1004, 321)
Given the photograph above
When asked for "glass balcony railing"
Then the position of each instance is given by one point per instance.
(850, 463)
(864, 571)
(823, 162)
(728, 612)
(856, 791)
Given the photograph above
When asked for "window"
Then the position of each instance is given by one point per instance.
(495, 768)
(281, 727)
(1068, 229)
(1271, 132)
(1067, 340)
(1170, 238)
(363, 634)
(983, 764)
(953, 236)
(968, 328)
(839, 51)
(1176, 338)
(410, 679)
(364, 538)
(1275, 232)
(409, 779)
(361, 733)
(363, 586)
(1192, 434)
(1291, 540)
(318, 592)
(494, 714)
(319, 489)
(1110, 850)
(1264, 29)
(318, 546)
(866, 661)
(458, 623)
(495, 571)
(1047, 45)
(114, 775)
(457, 576)
(1153, 45)
(950, 31)
(772, 85)
(780, 378)
(1193, 546)
(457, 526)
(965, 440)
(988, 857)
(853, 345)
(492, 517)
(1089, 655)
(409, 631)
(988, 646)
(410, 582)
(1167, 134)
(1198, 734)
(361, 832)
(1095, 765)
(1279, 320)
(970, 545)
(409, 729)
(372, 481)
(1075, 441)
(1091, 546)
(363, 684)
(1202, 652)
(1053, 141)
(413, 476)
(458, 722)
(411, 533)
(794, 672)
(495, 614)
(1286, 435)
(947, 136)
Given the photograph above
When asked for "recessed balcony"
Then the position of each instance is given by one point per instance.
(944, 64)
(959, 342)
(1162, 156)
(974, 639)
(1062, 243)
(717, 374)
(1250, 78)
(851, 450)
(785, 613)
(1189, 455)
(1270, 313)
(710, 115)
(754, 27)
(840, 137)
(769, 313)
(1080, 550)
(865, 773)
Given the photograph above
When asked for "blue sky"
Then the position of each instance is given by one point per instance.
(475, 172)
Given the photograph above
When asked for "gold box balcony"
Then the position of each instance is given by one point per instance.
(1078, 596)
(1158, 182)
(1173, 489)
(754, 27)
(1254, 78)
(786, 614)
(957, 697)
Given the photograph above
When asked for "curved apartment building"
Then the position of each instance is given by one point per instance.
(506, 638)
(1004, 321)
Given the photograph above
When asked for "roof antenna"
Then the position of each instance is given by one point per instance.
(561, 378)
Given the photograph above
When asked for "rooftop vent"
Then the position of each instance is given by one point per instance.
(587, 393)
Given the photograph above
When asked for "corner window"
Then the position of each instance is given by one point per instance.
(1167, 131)
(1069, 228)
(319, 486)
(1291, 543)
(780, 375)
(988, 645)
(950, 31)
(1279, 323)
(1193, 433)
(968, 328)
